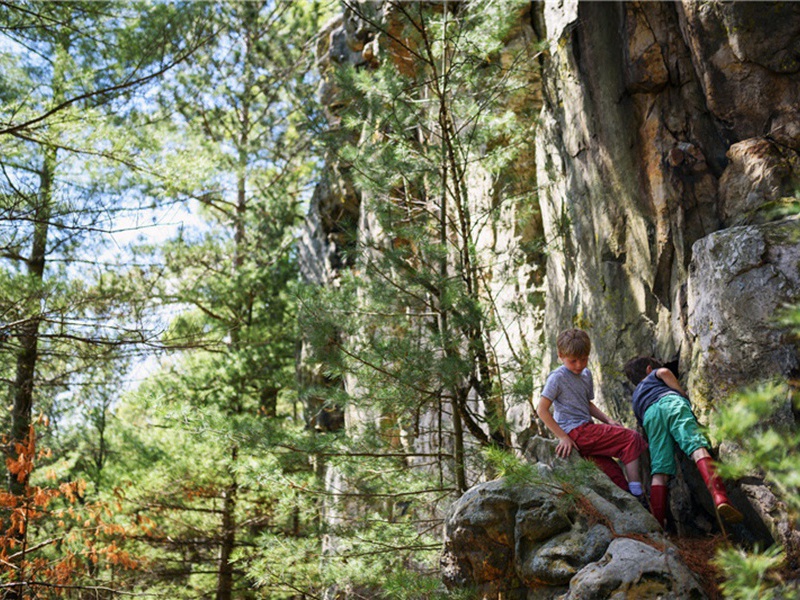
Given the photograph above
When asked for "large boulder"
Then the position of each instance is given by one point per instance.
(635, 569)
(565, 531)
(741, 278)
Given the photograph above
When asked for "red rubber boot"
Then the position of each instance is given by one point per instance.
(658, 503)
(717, 489)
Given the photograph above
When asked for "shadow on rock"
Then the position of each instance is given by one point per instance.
(564, 530)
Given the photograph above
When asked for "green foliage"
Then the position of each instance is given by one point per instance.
(415, 315)
(63, 151)
(180, 470)
(411, 585)
(286, 566)
(90, 158)
(767, 443)
(750, 575)
(517, 471)
(117, 115)
(760, 422)
(71, 322)
(213, 424)
(410, 330)
(511, 468)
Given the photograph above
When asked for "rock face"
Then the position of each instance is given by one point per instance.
(549, 539)
(661, 134)
(669, 146)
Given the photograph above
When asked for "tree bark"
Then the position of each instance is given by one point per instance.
(225, 577)
(23, 388)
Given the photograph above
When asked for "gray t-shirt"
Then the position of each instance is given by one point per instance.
(570, 395)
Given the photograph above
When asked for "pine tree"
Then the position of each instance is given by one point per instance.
(225, 388)
(62, 141)
(412, 328)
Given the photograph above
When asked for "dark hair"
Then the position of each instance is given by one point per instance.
(636, 368)
(574, 343)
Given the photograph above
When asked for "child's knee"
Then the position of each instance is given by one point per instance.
(637, 441)
(659, 479)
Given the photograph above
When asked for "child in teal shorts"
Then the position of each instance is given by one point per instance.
(663, 410)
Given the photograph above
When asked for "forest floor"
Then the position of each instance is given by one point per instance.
(698, 554)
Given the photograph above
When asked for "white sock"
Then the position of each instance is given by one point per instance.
(635, 487)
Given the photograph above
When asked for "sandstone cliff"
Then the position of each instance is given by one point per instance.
(669, 135)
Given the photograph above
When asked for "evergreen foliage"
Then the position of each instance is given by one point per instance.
(63, 147)
(206, 422)
(759, 421)
(406, 340)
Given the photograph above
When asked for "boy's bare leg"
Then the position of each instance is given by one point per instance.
(660, 479)
(632, 471)
(635, 482)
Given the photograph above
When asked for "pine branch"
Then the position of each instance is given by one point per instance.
(439, 455)
(125, 85)
(58, 586)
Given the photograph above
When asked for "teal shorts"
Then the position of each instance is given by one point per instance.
(667, 422)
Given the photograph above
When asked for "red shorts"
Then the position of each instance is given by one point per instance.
(601, 443)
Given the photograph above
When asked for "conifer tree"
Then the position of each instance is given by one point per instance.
(72, 70)
(412, 329)
(225, 387)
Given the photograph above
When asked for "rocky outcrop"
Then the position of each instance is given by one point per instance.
(555, 538)
(661, 133)
(667, 156)
(740, 280)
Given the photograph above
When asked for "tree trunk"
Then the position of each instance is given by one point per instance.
(228, 539)
(29, 331)
(241, 314)
(22, 390)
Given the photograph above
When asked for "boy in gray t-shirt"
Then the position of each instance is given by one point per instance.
(570, 391)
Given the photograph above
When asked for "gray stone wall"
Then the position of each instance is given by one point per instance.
(656, 134)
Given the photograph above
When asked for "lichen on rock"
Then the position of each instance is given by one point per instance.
(564, 531)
